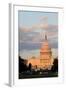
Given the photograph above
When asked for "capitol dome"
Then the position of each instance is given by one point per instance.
(45, 58)
(45, 53)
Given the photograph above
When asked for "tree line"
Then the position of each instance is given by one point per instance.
(23, 65)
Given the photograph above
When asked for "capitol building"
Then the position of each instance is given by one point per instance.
(45, 59)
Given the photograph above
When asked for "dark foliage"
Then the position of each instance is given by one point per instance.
(55, 65)
(22, 65)
(30, 66)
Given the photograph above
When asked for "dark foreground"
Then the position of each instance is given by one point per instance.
(26, 72)
(37, 74)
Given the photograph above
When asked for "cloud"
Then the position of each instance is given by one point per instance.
(29, 53)
(30, 38)
(53, 27)
(26, 49)
(39, 26)
(27, 36)
(34, 27)
(36, 45)
(24, 29)
(28, 46)
(51, 33)
(44, 19)
(35, 37)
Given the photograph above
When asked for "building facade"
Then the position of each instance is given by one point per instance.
(44, 61)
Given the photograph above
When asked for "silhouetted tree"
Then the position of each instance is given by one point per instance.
(55, 65)
(22, 65)
(30, 66)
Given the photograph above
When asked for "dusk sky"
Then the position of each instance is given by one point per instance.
(33, 26)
